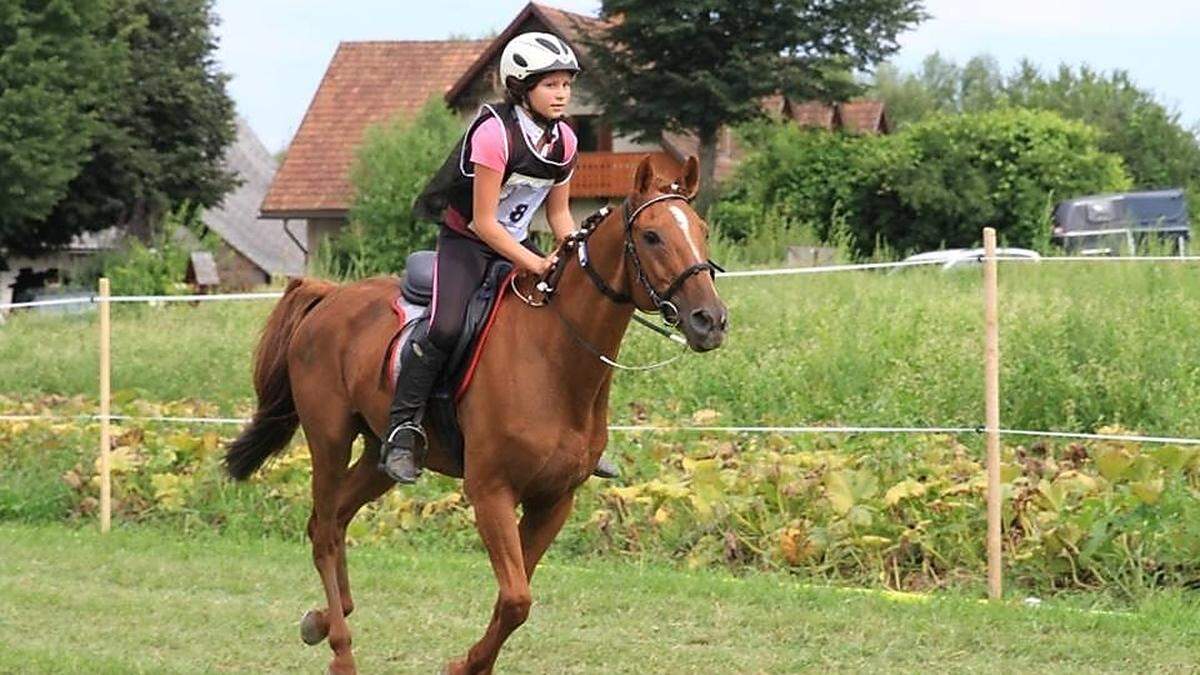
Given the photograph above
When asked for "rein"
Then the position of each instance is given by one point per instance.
(662, 301)
(578, 240)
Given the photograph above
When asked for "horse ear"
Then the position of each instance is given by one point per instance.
(691, 177)
(643, 181)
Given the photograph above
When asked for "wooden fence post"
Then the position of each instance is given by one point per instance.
(105, 396)
(991, 376)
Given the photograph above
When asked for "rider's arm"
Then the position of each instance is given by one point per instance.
(486, 197)
(558, 214)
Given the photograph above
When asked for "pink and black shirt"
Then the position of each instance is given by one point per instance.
(504, 138)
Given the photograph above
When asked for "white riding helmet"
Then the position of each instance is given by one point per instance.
(533, 53)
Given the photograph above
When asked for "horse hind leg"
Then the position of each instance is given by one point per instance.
(329, 439)
(364, 484)
(540, 524)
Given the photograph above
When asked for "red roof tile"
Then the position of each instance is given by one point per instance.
(569, 24)
(863, 117)
(367, 82)
(812, 114)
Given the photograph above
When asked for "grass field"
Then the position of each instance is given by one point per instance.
(1083, 345)
(147, 600)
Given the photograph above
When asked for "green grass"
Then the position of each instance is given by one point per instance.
(160, 353)
(1083, 346)
(149, 600)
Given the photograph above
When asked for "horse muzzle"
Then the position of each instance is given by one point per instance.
(705, 327)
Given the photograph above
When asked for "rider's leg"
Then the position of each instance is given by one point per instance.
(458, 272)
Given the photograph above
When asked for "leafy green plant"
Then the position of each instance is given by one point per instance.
(901, 512)
(1157, 146)
(961, 173)
(935, 184)
(158, 266)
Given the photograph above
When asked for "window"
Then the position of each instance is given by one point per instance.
(594, 134)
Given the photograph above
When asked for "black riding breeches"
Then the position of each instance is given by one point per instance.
(458, 272)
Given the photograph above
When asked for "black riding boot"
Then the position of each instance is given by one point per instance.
(420, 365)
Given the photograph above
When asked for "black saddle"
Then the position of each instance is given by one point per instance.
(418, 277)
(417, 288)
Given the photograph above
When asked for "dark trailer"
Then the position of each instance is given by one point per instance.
(1110, 224)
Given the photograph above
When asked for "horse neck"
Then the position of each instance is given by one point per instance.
(595, 317)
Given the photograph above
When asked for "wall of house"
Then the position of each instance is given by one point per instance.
(319, 230)
(237, 272)
(58, 268)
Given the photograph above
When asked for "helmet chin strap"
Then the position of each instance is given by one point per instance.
(542, 121)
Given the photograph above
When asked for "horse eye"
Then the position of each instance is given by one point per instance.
(651, 237)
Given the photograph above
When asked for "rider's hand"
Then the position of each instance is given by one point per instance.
(537, 265)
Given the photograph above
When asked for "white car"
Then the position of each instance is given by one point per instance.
(960, 257)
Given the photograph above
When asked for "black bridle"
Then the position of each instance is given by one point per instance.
(662, 301)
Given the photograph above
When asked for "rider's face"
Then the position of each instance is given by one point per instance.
(550, 96)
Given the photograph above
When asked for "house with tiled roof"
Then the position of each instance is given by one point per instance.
(371, 82)
(856, 117)
(251, 252)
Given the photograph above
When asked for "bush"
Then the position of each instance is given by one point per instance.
(159, 266)
(742, 235)
(902, 512)
(937, 183)
(956, 174)
(394, 164)
(803, 175)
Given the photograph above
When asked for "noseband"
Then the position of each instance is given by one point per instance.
(662, 301)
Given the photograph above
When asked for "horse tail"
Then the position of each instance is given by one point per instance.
(275, 420)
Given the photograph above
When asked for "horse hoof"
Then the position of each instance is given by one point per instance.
(313, 627)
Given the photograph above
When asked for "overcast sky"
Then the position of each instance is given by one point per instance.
(277, 50)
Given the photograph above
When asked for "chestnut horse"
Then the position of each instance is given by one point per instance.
(534, 420)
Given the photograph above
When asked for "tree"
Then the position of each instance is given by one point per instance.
(1156, 147)
(698, 65)
(939, 86)
(934, 183)
(140, 127)
(54, 70)
(1158, 150)
(391, 167)
(165, 128)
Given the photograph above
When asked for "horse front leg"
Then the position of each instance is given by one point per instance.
(540, 525)
(496, 520)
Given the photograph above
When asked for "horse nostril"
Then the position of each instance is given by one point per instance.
(724, 321)
(701, 320)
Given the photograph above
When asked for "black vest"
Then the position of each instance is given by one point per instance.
(452, 187)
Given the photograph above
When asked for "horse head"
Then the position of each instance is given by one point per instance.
(667, 243)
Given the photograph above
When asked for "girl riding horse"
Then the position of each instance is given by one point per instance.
(534, 420)
(514, 157)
